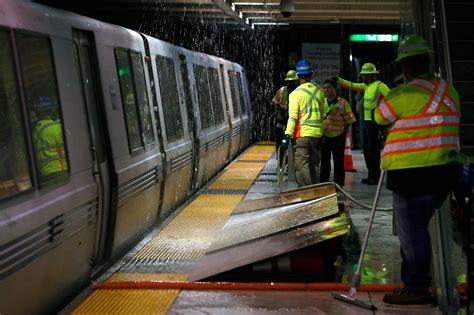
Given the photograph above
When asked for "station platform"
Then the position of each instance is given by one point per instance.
(164, 273)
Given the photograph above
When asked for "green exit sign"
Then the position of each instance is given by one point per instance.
(373, 38)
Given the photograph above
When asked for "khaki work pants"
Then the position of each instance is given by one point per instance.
(307, 158)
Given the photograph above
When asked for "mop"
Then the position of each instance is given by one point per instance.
(355, 282)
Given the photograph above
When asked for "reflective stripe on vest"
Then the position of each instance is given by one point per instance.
(371, 103)
(386, 111)
(308, 109)
(430, 118)
(335, 122)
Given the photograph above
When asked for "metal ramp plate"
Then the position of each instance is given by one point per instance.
(287, 222)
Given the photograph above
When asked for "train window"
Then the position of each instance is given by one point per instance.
(234, 93)
(169, 98)
(14, 168)
(39, 83)
(241, 94)
(142, 99)
(205, 106)
(128, 99)
(216, 95)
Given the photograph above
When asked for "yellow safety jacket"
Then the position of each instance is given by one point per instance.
(425, 132)
(373, 93)
(306, 110)
(281, 98)
(49, 145)
(338, 115)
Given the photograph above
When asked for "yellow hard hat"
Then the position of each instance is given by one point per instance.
(412, 45)
(291, 75)
(368, 68)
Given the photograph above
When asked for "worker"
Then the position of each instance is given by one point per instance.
(48, 139)
(305, 126)
(420, 157)
(337, 120)
(373, 90)
(280, 100)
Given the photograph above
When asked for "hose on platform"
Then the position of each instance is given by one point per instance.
(351, 198)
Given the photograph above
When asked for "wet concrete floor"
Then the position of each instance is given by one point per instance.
(382, 260)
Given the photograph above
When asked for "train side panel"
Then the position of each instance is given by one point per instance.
(133, 138)
(212, 122)
(172, 116)
(233, 107)
(245, 109)
(48, 230)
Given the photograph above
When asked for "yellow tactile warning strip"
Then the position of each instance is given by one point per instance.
(238, 176)
(128, 301)
(123, 277)
(185, 238)
(266, 143)
(258, 153)
(192, 231)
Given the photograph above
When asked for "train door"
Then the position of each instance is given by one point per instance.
(191, 119)
(92, 98)
(229, 118)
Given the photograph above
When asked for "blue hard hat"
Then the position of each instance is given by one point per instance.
(43, 104)
(303, 67)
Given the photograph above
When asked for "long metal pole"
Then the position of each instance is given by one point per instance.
(356, 278)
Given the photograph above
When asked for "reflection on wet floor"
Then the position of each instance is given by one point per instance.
(382, 260)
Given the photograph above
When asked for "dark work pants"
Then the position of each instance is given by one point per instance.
(336, 146)
(372, 149)
(279, 134)
(412, 215)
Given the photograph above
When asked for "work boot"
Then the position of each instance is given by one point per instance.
(407, 297)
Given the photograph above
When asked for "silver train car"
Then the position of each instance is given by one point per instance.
(104, 132)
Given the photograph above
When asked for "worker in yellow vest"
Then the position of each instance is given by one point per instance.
(337, 120)
(373, 90)
(48, 140)
(280, 100)
(420, 156)
(305, 126)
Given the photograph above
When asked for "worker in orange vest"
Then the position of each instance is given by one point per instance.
(337, 119)
(420, 157)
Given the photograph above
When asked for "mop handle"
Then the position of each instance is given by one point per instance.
(371, 221)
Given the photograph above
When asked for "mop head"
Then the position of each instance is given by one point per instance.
(347, 299)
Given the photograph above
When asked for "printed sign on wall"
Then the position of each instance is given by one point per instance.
(325, 59)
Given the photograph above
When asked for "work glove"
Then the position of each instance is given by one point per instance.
(335, 79)
(285, 142)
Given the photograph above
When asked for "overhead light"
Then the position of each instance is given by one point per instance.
(260, 17)
(254, 3)
(247, 20)
(271, 23)
(232, 7)
(241, 15)
(253, 26)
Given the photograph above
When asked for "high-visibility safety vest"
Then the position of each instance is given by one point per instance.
(306, 110)
(281, 98)
(373, 93)
(425, 132)
(49, 145)
(337, 117)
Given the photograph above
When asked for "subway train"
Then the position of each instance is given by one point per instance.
(104, 132)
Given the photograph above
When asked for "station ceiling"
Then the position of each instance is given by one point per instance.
(305, 11)
(260, 12)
